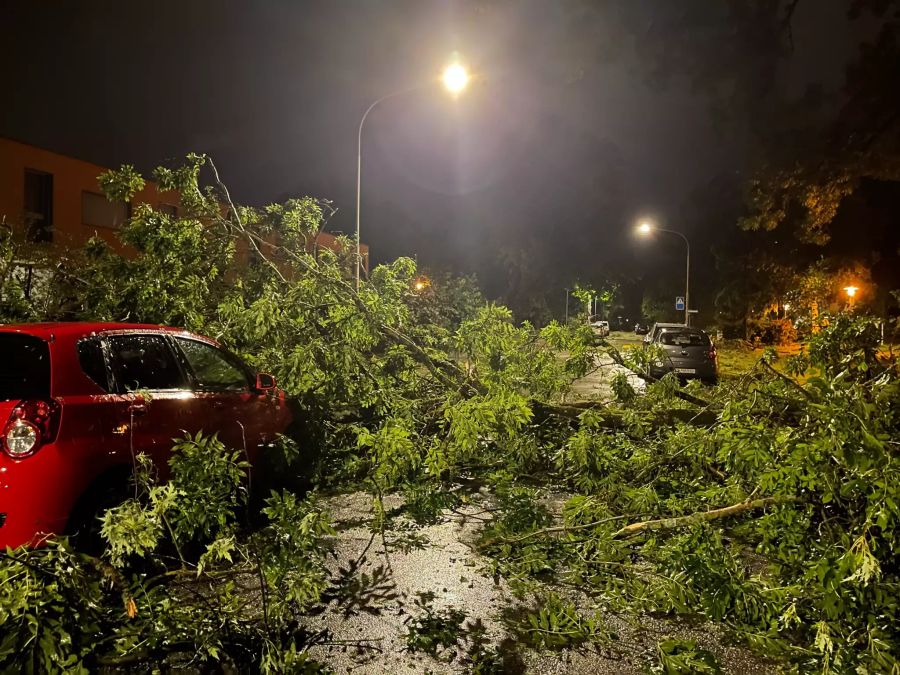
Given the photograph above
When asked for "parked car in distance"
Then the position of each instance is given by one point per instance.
(77, 400)
(657, 328)
(641, 329)
(600, 328)
(620, 323)
(689, 353)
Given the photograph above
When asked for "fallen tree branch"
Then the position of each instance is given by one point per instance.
(701, 517)
(784, 378)
(443, 371)
(613, 419)
(558, 529)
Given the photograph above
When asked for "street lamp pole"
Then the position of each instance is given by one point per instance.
(645, 229)
(359, 170)
(455, 79)
(687, 281)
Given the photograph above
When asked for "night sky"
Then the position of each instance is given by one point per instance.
(562, 144)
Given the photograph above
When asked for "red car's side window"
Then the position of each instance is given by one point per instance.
(144, 362)
(92, 362)
(213, 369)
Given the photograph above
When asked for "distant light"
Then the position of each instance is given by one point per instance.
(644, 229)
(851, 290)
(787, 306)
(455, 78)
(420, 286)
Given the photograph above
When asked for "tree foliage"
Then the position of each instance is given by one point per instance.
(765, 504)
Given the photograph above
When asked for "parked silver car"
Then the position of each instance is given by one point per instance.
(600, 328)
(688, 352)
(657, 328)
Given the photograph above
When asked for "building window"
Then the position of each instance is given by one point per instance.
(38, 205)
(169, 209)
(98, 211)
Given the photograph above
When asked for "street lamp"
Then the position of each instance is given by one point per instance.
(851, 294)
(455, 79)
(645, 229)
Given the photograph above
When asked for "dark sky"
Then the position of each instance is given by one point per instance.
(554, 154)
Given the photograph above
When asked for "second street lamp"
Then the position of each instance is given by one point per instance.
(455, 78)
(645, 229)
(851, 295)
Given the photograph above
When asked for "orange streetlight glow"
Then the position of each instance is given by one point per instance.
(851, 291)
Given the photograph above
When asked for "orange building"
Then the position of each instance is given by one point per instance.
(50, 199)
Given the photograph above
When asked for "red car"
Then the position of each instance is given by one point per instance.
(72, 415)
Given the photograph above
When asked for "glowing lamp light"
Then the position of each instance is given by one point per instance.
(644, 229)
(420, 286)
(455, 78)
(851, 291)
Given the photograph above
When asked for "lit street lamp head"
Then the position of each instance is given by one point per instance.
(455, 78)
(851, 291)
(644, 229)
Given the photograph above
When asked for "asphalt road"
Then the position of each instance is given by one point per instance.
(373, 604)
(597, 383)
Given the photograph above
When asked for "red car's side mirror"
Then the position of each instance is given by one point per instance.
(265, 382)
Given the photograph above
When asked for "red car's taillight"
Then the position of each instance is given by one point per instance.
(31, 424)
(712, 353)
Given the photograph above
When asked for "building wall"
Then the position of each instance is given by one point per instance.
(71, 179)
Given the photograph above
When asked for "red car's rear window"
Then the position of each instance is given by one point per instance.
(25, 369)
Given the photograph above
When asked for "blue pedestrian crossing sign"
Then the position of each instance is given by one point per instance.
(679, 303)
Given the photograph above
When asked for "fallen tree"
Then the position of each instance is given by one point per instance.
(390, 399)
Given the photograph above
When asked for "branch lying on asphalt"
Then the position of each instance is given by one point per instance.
(556, 530)
(613, 419)
(701, 517)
